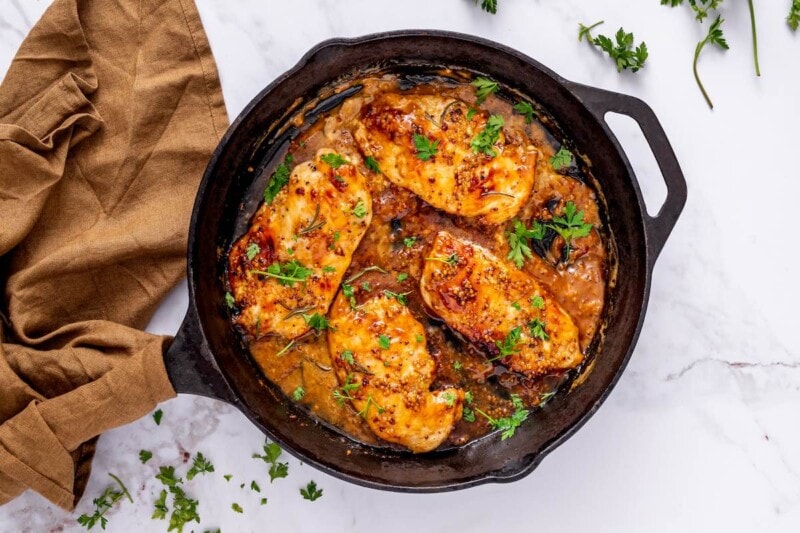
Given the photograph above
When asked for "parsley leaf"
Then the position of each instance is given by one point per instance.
(278, 179)
(715, 36)
(468, 414)
(449, 398)
(360, 210)
(317, 321)
(622, 52)
(271, 453)
(334, 160)
(401, 277)
(518, 241)
(562, 159)
(483, 88)
(408, 242)
(310, 492)
(237, 508)
(103, 503)
(457, 365)
(287, 274)
(525, 109)
(537, 301)
(451, 259)
(229, 300)
(401, 297)
(343, 393)
(485, 140)
(328, 269)
(157, 416)
(508, 424)
(298, 394)
(425, 148)
(538, 331)
(490, 6)
(145, 455)
(794, 15)
(509, 344)
(570, 226)
(384, 341)
(200, 465)
(252, 250)
(161, 509)
(347, 357)
(372, 164)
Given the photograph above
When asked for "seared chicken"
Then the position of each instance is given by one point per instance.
(456, 177)
(289, 264)
(499, 308)
(383, 366)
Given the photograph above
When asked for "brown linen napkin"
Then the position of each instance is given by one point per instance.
(108, 116)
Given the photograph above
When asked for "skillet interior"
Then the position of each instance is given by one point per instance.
(225, 187)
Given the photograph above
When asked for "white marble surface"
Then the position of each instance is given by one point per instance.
(702, 433)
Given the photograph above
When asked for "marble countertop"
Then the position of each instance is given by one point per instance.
(702, 433)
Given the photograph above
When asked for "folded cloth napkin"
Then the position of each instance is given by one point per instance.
(108, 116)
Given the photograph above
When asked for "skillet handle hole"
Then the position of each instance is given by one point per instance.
(645, 166)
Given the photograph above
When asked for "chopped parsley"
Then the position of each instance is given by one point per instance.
(347, 357)
(360, 210)
(200, 465)
(408, 242)
(103, 503)
(485, 140)
(311, 492)
(457, 365)
(145, 455)
(298, 394)
(328, 269)
(518, 241)
(525, 109)
(570, 226)
(537, 301)
(425, 147)
(253, 250)
(287, 274)
(384, 341)
(229, 300)
(334, 160)
(278, 179)
(516, 306)
(449, 398)
(538, 329)
(343, 393)
(271, 454)
(508, 424)
(509, 344)
(237, 508)
(420, 338)
(562, 159)
(157, 416)
(317, 321)
(401, 277)
(483, 88)
(372, 164)
(401, 297)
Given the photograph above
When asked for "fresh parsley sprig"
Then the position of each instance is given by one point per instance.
(103, 503)
(343, 393)
(483, 88)
(271, 454)
(311, 492)
(509, 344)
(622, 52)
(570, 226)
(526, 109)
(485, 140)
(334, 160)
(200, 465)
(278, 179)
(794, 15)
(714, 36)
(490, 6)
(425, 147)
(508, 424)
(287, 274)
(518, 241)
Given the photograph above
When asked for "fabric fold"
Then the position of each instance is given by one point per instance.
(108, 115)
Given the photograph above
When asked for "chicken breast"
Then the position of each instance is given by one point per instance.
(379, 352)
(289, 264)
(492, 184)
(501, 309)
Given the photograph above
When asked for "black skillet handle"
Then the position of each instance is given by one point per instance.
(190, 366)
(600, 102)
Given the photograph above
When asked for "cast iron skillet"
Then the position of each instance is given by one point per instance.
(208, 359)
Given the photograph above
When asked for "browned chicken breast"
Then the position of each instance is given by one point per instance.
(501, 309)
(471, 167)
(289, 264)
(379, 352)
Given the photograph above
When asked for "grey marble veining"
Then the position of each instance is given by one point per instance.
(700, 434)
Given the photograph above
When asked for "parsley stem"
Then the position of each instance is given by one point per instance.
(755, 36)
(697, 51)
(489, 418)
(285, 349)
(368, 269)
(277, 276)
(121, 485)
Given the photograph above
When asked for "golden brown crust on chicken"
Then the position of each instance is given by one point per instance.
(485, 299)
(381, 347)
(456, 179)
(315, 221)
